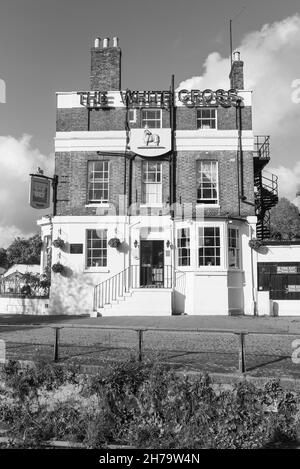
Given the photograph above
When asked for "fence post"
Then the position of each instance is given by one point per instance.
(56, 343)
(242, 358)
(140, 338)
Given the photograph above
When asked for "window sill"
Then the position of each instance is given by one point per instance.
(106, 205)
(94, 270)
(152, 206)
(198, 204)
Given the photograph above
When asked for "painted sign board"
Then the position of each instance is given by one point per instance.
(39, 195)
(286, 269)
(150, 142)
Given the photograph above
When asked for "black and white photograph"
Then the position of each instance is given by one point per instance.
(149, 229)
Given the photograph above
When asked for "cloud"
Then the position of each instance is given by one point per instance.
(271, 66)
(289, 182)
(17, 160)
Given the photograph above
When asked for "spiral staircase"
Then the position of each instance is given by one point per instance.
(265, 186)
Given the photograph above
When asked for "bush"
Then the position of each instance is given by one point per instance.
(145, 405)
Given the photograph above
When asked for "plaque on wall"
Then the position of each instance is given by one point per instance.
(76, 248)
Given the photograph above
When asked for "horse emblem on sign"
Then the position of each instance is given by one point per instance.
(150, 142)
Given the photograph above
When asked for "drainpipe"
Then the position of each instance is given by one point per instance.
(173, 188)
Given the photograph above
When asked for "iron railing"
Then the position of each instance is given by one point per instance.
(19, 287)
(262, 147)
(134, 276)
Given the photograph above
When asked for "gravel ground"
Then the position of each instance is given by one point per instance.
(266, 354)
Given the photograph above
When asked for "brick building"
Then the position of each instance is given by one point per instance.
(159, 193)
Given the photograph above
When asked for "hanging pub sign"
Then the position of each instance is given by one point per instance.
(150, 142)
(39, 196)
(192, 98)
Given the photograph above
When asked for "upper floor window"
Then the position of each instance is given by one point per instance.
(183, 245)
(206, 118)
(207, 182)
(209, 252)
(96, 255)
(98, 182)
(151, 118)
(233, 248)
(152, 183)
(132, 115)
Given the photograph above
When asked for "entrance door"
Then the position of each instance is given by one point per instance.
(152, 264)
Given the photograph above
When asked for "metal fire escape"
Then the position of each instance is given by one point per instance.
(265, 186)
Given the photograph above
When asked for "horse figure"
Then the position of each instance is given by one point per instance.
(149, 137)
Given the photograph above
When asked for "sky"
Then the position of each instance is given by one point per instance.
(45, 47)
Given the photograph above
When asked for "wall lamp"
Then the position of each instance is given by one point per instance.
(136, 244)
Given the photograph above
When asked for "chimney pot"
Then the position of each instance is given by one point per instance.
(97, 42)
(105, 42)
(115, 42)
(236, 56)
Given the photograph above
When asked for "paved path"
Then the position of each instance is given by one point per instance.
(266, 354)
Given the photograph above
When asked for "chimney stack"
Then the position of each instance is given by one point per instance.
(237, 72)
(106, 65)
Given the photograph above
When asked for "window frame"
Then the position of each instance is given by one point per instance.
(236, 249)
(214, 202)
(148, 183)
(152, 109)
(133, 120)
(181, 248)
(87, 248)
(200, 119)
(212, 246)
(103, 181)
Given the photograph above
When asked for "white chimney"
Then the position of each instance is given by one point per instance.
(105, 42)
(115, 42)
(236, 56)
(97, 42)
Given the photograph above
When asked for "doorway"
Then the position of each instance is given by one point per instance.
(152, 264)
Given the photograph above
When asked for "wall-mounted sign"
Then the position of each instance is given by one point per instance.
(95, 99)
(156, 99)
(150, 142)
(76, 248)
(293, 288)
(160, 99)
(286, 269)
(192, 98)
(39, 195)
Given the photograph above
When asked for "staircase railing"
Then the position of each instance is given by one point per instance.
(262, 147)
(270, 182)
(133, 276)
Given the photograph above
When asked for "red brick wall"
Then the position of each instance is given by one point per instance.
(114, 119)
(228, 181)
(106, 69)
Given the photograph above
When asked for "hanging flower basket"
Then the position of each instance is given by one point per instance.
(114, 242)
(255, 244)
(58, 243)
(57, 268)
